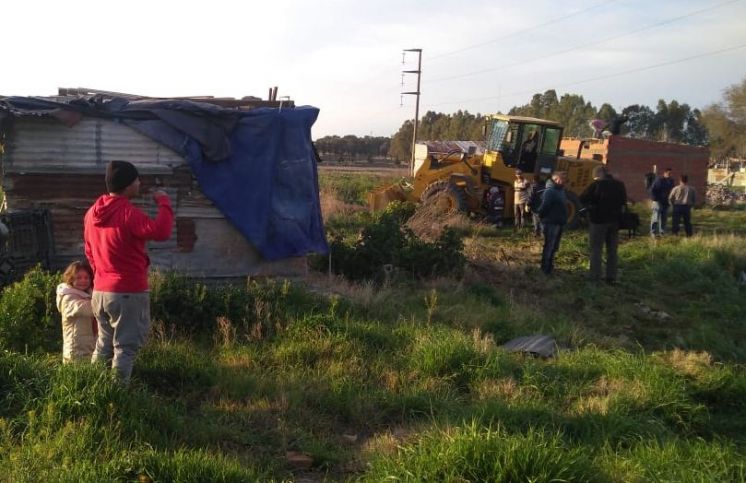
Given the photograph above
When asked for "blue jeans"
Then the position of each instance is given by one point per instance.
(658, 218)
(552, 237)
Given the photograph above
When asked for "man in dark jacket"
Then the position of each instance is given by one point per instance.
(553, 215)
(659, 191)
(534, 201)
(605, 199)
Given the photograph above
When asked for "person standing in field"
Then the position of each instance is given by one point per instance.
(682, 198)
(553, 214)
(79, 327)
(605, 199)
(659, 191)
(495, 206)
(520, 198)
(534, 201)
(115, 232)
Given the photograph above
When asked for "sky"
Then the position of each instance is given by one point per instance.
(345, 56)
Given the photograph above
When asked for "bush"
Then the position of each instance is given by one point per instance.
(257, 309)
(385, 242)
(29, 320)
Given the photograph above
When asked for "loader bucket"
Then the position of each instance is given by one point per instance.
(379, 198)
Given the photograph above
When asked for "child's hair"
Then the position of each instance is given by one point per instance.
(69, 275)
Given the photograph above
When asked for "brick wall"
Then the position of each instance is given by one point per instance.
(629, 159)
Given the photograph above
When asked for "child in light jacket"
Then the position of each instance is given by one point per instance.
(79, 327)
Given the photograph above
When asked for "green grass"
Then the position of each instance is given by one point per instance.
(405, 381)
(352, 187)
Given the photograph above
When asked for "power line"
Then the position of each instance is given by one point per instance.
(414, 93)
(520, 32)
(577, 47)
(602, 77)
(513, 34)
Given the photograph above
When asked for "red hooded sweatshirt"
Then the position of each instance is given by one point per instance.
(115, 232)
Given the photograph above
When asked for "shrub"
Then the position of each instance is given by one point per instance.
(29, 320)
(256, 309)
(386, 242)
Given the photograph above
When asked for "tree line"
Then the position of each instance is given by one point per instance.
(721, 126)
(341, 148)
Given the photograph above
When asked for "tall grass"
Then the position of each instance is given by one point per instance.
(475, 453)
(401, 381)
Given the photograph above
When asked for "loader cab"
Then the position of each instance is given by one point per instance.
(528, 144)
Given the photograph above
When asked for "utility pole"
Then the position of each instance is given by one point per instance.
(417, 105)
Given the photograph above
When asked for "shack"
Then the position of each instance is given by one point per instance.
(241, 174)
(631, 159)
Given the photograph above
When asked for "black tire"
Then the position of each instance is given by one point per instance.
(446, 195)
(575, 217)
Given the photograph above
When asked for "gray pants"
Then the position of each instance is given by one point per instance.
(123, 326)
(601, 234)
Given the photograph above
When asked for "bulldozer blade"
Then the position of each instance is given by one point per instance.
(379, 198)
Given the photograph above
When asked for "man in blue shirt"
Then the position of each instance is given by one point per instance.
(659, 191)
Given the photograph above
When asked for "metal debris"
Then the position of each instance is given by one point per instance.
(652, 313)
(537, 345)
(720, 196)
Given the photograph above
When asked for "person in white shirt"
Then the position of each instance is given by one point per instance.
(521, 194)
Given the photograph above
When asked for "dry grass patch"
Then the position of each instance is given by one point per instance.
(505, 389)
(331, 204)
(605, 392)
(690, 363)
(429, 221)
(365, 294)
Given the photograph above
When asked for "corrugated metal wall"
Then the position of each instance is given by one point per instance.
(43, 145)
(51, 166)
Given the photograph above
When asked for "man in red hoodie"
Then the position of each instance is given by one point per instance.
(115, 232)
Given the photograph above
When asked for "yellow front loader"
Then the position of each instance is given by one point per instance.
(456, 175)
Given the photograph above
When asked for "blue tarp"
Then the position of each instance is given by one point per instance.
(257, 166)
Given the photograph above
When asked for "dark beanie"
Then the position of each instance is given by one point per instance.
(119, 175)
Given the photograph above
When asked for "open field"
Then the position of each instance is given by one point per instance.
(325, 379)
(379, 170)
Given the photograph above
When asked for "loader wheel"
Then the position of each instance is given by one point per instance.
(575, 217)
(445, 196)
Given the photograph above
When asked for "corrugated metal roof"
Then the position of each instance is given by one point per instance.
(444, 147)
(67, 94)
(525, 119)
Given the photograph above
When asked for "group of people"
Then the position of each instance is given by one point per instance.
(104, 301)
(664, 194)
(605, 199)
(526, 198)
